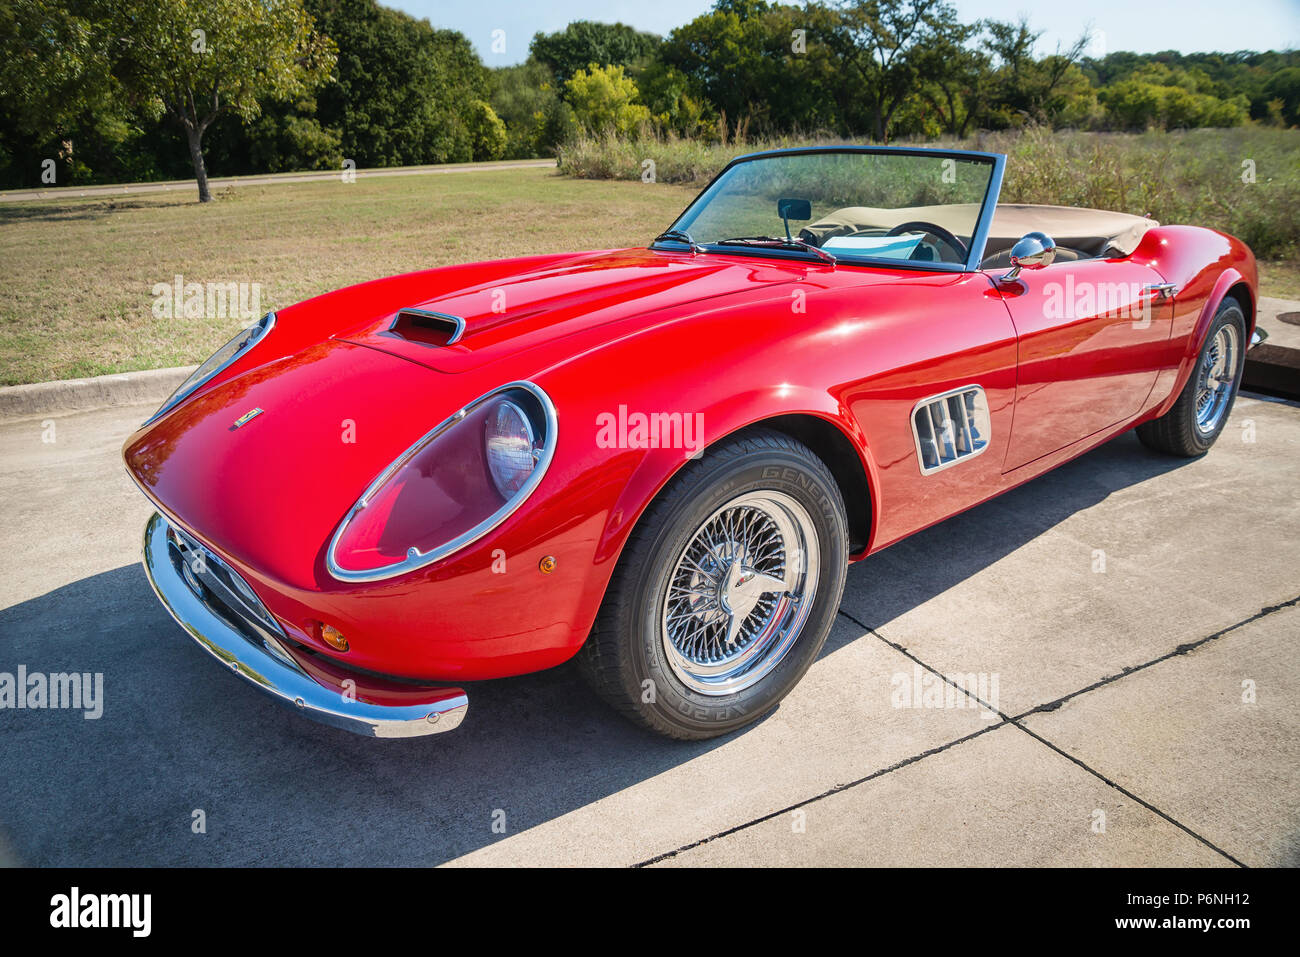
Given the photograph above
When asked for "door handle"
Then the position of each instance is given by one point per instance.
(1161, 290)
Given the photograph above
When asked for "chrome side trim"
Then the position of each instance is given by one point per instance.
(417, 559)
(946, 432)
(177, 397)
(278, 674)
(458, 322)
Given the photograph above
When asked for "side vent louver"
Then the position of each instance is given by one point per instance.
(428, 328)
(950, 428)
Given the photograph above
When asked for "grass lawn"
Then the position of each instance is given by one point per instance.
(79, 274)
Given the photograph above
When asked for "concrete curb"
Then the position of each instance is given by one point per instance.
(82, 395)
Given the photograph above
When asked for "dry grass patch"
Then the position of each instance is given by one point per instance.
(80, 273)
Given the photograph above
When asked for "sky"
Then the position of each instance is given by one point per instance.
(1142, 26)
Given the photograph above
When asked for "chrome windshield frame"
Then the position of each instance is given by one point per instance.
(979, 238)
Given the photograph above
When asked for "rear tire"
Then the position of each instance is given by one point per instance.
(1201, 410)
(725, 591)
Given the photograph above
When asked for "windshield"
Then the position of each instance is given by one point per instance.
(923, 208)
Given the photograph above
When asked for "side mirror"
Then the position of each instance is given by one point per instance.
(1032, 251)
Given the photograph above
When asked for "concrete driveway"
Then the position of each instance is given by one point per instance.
(1130, 620)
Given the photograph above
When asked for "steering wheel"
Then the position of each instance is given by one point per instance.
(935, 230)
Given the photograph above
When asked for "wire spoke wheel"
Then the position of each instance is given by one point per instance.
(1216, 378)
(725, 591)
(1198, 414)
(740, 592)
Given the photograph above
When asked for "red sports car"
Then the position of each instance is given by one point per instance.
(661, 460)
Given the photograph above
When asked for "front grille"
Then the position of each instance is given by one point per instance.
(950, 428)
(222, 589)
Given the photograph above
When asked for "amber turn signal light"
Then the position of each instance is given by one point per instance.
(333, 637)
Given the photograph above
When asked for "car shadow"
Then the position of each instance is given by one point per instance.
(180, 736)
(897, 579)
(58, 209)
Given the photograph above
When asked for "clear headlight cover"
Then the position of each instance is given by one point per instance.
(450, 488)
(227, 354)
(512, 450)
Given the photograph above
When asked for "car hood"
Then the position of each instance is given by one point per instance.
(340, 398)
(505, 315)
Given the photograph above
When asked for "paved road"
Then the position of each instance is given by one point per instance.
(189, 185)
(1120, 735)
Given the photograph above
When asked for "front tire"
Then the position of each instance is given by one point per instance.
(1201, 411)
(725, 591)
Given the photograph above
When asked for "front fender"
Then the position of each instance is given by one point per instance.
(602, 405)
(657, 467)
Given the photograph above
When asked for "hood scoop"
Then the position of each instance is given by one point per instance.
(427, 328)
(505, 312)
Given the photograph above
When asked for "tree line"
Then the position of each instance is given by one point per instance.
(134, 90)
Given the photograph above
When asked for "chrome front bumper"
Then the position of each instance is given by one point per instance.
(257, 655)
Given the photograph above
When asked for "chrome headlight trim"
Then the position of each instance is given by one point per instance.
(421, 559)
(187, 388)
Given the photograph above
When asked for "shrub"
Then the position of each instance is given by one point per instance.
(604, 98)
(487, 132)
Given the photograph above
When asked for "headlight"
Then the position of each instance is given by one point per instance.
(227, 354)
(512, 450)
(450, 488)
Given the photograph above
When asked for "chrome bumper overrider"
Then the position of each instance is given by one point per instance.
(257, 655)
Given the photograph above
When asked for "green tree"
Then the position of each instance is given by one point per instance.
(1284, 86)
(55, 64)
(956, 75)
(403, 92)
(56, 87)
(673, 104)
(285, 137)
(487, 132)
(1133, 104)
(1157, 95)
(751, 60)
(1225, 76)
(584, 42)
(527, 99)
(193, 63)
(879, 45)
(604, 98)
(1028, 89)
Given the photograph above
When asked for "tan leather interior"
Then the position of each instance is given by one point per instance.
(1078, 233)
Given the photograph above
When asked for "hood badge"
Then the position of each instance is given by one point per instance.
(247, 417)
